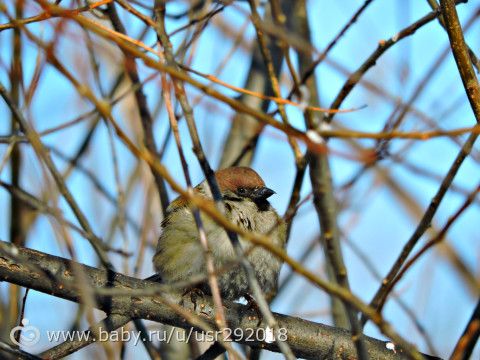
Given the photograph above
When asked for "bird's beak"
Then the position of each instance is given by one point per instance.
(262, 193)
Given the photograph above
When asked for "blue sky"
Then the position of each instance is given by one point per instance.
(376, 221)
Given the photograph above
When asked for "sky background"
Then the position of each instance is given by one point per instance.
(374, 221)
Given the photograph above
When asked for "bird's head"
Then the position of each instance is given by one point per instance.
(243, 183)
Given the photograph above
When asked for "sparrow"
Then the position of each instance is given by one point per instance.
(180, 256)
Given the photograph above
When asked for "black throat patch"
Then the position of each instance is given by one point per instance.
(262, 205)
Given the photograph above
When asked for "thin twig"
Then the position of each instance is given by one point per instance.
(209, 261)
(47, 15)
(472, 89)
(45, 156)
(320, 339)
(308, 72)
(267, 58)
(473, 58)
(327, 209)
(141, 101)
(439, 237)
(383, 46)
(465, 345)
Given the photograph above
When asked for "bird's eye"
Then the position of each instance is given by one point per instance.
(242, 191)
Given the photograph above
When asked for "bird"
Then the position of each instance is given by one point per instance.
(179, 255)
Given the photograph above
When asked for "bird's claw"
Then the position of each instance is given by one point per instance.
(194, 293)
(196, 296)
(252, 305)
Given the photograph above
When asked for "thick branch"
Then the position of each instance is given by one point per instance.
(54, 275)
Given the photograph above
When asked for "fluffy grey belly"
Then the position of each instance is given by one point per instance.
(234, 283)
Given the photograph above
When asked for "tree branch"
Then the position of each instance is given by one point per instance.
(53, 275)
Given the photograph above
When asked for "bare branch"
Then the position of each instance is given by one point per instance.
(307, 339)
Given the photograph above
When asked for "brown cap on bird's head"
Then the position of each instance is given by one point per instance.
(233, 178)
(241, 180)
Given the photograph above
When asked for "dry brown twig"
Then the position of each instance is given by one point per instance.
(278, 43)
